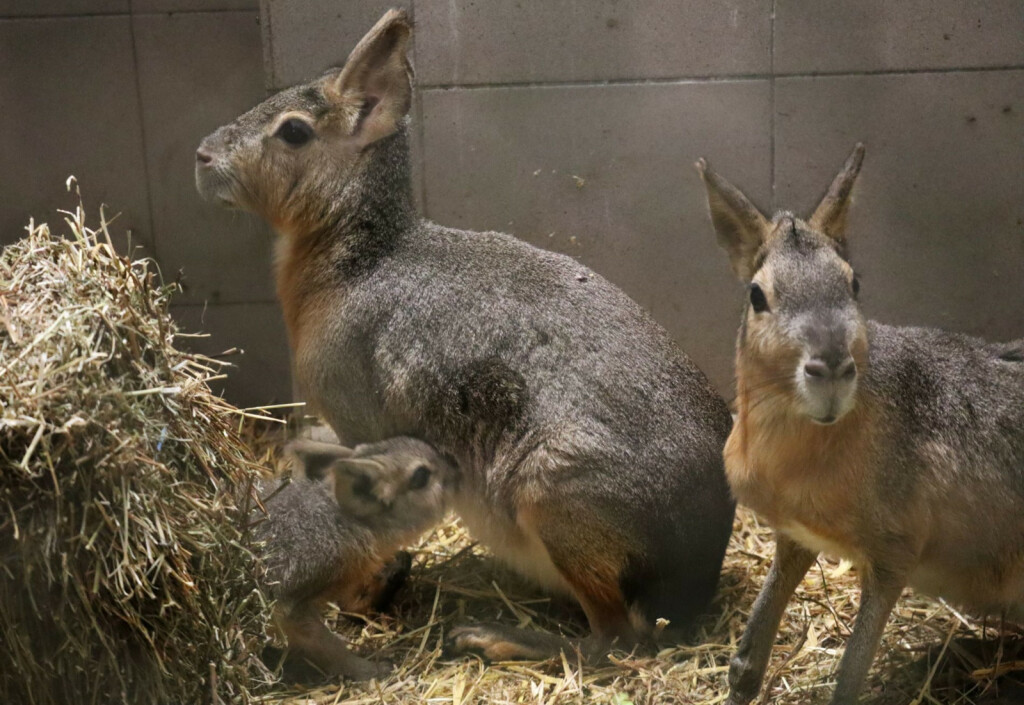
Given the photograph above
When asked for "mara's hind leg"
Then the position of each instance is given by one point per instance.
(310, 638)
(591, 558)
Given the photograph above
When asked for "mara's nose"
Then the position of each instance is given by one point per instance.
(821, 369)
(203, 157)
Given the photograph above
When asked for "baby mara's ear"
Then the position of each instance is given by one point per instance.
(365, 486)
(313, 460)
(374, 88)
(349, 479)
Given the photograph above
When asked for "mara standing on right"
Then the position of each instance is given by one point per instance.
(901, 449)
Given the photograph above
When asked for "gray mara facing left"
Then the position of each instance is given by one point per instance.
(589, 446)
(901, 449)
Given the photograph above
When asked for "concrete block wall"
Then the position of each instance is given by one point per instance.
(119, 93)
(574, 124)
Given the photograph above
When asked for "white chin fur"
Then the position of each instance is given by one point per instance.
(825, 403)
(213, 187)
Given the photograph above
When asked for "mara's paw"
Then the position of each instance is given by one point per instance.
(400, 566)
(396, 573)
(487, 641)
(391, 579)
(495, 642)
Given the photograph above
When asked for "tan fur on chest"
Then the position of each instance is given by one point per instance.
(300, 276)
(804, 479)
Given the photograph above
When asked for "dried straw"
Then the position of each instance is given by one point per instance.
(930, 654)
(126, 570)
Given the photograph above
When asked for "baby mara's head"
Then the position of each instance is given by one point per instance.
(400, 478)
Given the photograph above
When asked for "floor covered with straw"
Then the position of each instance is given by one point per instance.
(931, 653)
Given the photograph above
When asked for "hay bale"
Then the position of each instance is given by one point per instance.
(126, 569)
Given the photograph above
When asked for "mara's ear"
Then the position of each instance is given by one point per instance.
(830, 215)
(348, 476)
(313, 460)
(358, 467)
(374, 88)
(739, 226)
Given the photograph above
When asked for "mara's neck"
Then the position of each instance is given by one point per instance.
(352, 233)
(772, 436)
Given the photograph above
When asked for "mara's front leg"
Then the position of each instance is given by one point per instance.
(748, 666)
(880, 588)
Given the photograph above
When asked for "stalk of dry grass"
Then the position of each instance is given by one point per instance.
(127, 574)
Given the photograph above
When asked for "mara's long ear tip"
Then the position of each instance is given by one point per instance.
(395, 17)
(716, 184)
(310, 459)
(856, 156)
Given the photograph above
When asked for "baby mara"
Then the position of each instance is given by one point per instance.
(330, 535)
(901, 449)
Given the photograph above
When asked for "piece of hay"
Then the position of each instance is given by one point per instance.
(125, 568)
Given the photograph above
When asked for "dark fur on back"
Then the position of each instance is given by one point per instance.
(960, 397)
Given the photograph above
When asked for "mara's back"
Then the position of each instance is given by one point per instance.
(952, 394)
(952, 408)
(460, 324)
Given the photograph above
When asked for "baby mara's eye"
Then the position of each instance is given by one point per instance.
(295, 132)
(757, 298)
(419, 478)
(855, 285)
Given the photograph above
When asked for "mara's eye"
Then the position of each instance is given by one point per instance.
(419, 478)
(855, 285)
(757, 298)
(362, 486)
(295, 132)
